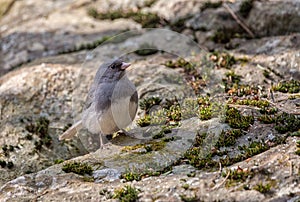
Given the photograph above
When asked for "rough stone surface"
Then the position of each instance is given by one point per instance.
(53, 85)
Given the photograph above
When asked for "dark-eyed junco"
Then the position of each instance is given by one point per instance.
(111, 103)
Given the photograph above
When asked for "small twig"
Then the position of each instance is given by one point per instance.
(239, 21)
(220, 170)
(271, 94)
(291, 168)
(219, 185)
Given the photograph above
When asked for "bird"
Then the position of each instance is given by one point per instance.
(111, 103)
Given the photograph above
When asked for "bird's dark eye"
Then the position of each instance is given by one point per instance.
(115, 65)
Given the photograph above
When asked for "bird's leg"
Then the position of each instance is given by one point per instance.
(101, 141)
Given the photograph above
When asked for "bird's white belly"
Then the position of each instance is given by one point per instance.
(112, 119)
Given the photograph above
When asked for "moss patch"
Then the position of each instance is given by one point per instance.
(147, 20)
(149, 146)
(137, 176)
(237, 176)
(222, 59)
(287, 123)
(262, 188)
(228, 138)
(292, 86)
(40, 128)
(251, 102)
(78, 168)
(126, 194)
(147, 103)
(192, 74)
(236, 120)
(209, 4)
(146, 49)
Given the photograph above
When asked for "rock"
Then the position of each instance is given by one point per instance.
(57, 32)
(175, 10)
(274, 18)
(213, 19)
(66, 46)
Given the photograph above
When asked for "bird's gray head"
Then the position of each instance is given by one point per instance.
(112, 71)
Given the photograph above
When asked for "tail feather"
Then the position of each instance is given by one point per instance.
(68, 134)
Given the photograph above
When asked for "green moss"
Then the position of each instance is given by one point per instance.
(236, 120)
(246, 7)
(126, 194)
(209, 4)
(296, 133)
(147, 103)
(205, 107)
(185, 198)
(268, 110)
(149, 146)
(287, 123)
(223, 60)
(267, 119)
(78, 168)
(147, 20)
(253, 149)
(146, 49)
(158, 116)
(164, 130)
(174, 113)
(256, 103)
(130, 176)
(155, 146)
(228, 138)
(232, 85)
(293, 97)
(243, 90)
(205, 113)
(40, 128)
(144, 121)
(231, 80)
(292, 86)
(192, 75)
(262, 188)
(236, 176)
(185, 186)
(58, 161)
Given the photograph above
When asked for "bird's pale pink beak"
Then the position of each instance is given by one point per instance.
(125, 65)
